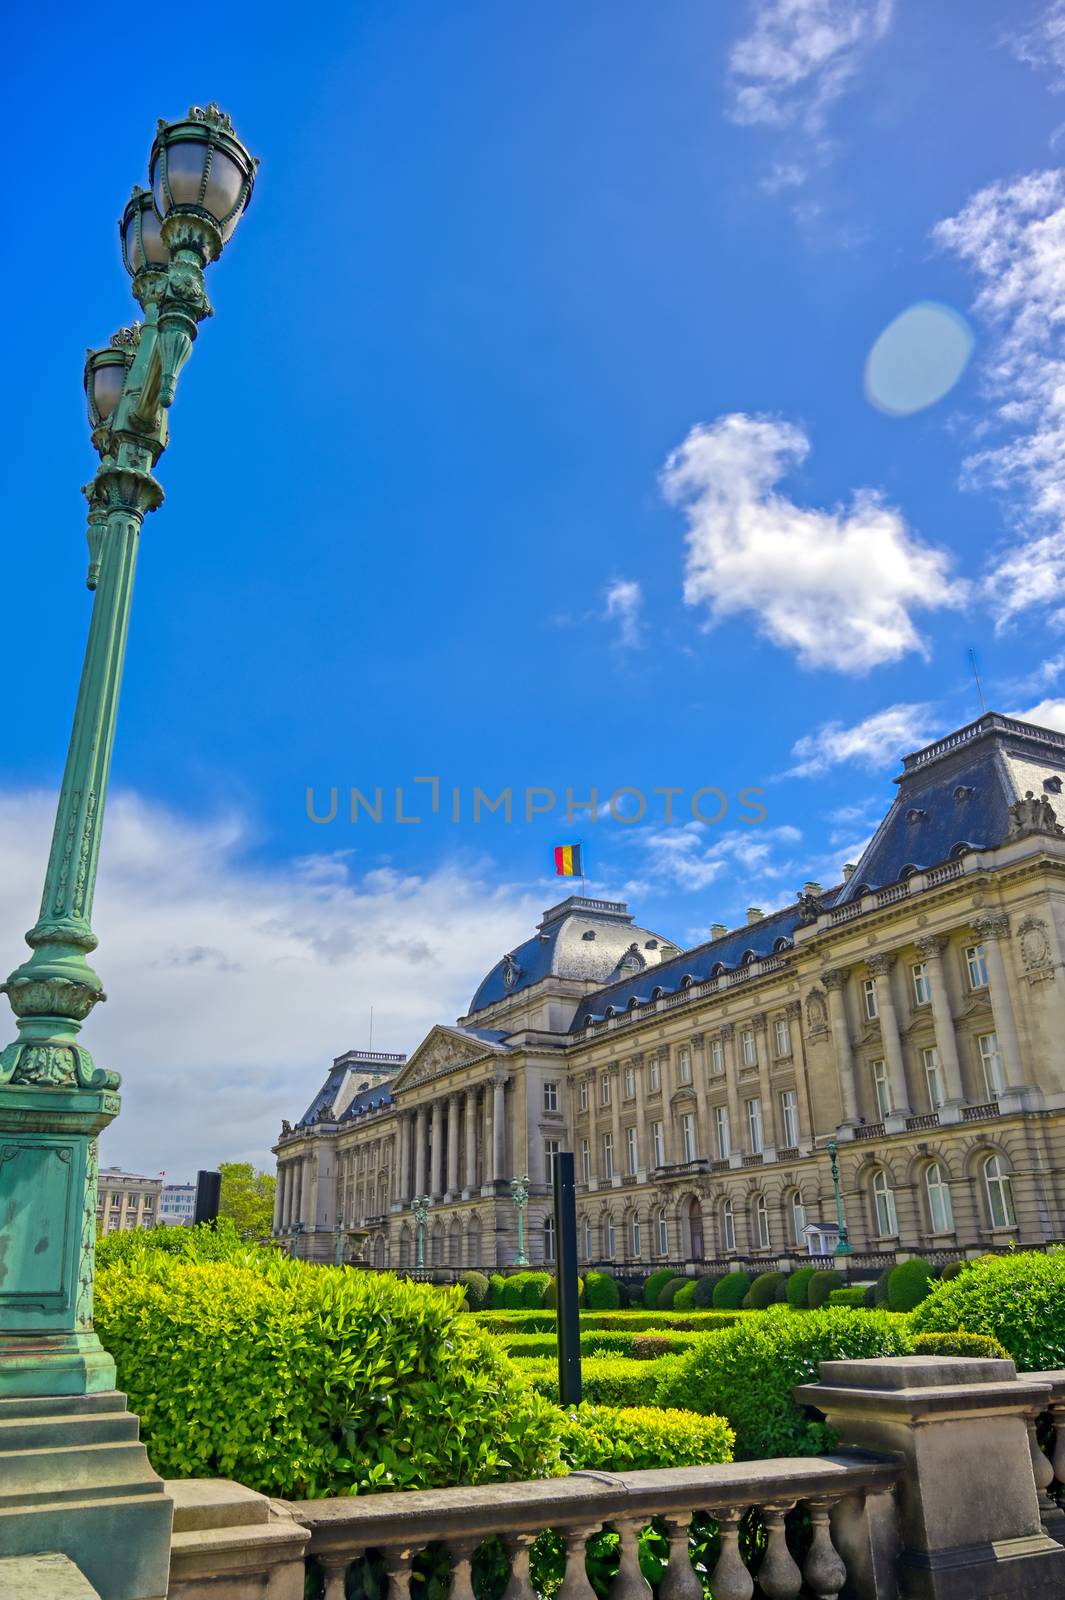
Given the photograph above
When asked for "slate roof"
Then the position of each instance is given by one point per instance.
(365, 1100)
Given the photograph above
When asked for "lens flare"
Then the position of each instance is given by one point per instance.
(917, 359)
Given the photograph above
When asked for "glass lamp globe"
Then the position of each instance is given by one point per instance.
(200, 171)
(141, 234)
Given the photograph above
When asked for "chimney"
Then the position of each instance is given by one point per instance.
(718, 930)
(811, 888)
(755, 913)
(849, 869)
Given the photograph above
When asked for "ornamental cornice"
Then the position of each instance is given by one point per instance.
(931, 945)
(880, 965)
(833, 978)
(991, 925)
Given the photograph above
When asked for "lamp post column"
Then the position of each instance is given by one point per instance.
(843, 1244)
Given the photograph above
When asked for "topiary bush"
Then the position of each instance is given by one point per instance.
(703, 1296)
(550, 1295)
(641, 1438)
(821, 1286)
(534, 1289)
(763, 1291)
(303, 1381)
(952, 1270)
(880, 1287)
(606, 1380)
(797, 1287)
(747, 1372)
(908, 1284)
(730, 1290)
(475, 1285)
(667, 1295)
(1018, 1298)
(496, 1285)
(855, 1296)
(684, 1298)
(601, 1292)
(959, 1344)
(654, 1285)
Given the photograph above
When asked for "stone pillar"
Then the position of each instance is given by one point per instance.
(419, 1150)
(306, 1193)
(615, 1122)
(279, 1198)
(765, 1088)
(798, 1056)
(403, 1135)
(471, 1144)
(669, 1131)
(834, 981)
(880, 966)
(593, 1125)
(436, 1150)
(292, 1196)
(991, 929)
(732, 1089)
(454, 1182)
(930, 949)
(499, 1131)
(643, 1122)
(703, 1143)
(968, 1506)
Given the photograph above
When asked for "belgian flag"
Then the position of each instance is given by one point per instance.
(568, 863)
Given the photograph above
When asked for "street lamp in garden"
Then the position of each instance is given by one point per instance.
(843, 1244)
(54, 1100)
(420, 1207)
(519, 1191)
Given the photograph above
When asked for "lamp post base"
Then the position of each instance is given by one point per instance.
(36, 1365)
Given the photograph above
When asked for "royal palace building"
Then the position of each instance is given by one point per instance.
(913, 1013)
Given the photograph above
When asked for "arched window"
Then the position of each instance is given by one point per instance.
(662, 1228)
(549, 1239)
(438, 1246)
(589, 1242)
(761, 1223)
(611, 1238)
(728, 1226)
(887, 1222)
(940, 1210)
(798, 1217)
(999, 1193)
(634, 1234)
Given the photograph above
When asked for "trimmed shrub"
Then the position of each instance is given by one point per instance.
(533, 1290)
(880, 1288)
(797, 1287)
(684, 1298)
(959, 1344)
(1018, 1298)
(601, 1292)
(908, 1284)
(763, 1291)
(550, 1296)
(703, 1296)
(649, 1346)
(223, 1242)
(730, 1290)
(667, 1295)
(496, 1285)
(821, 1286)
(654, 1285)
(476, 1286)
(747, 1373)
(952, 1270)
(849, 1297)
(359, 1381)
(606, 1380)
(640, 1438)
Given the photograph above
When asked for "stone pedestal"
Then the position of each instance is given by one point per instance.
(968, 1508)
(233, 1544)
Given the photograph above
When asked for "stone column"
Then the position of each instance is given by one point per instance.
(593, 1125)
(615, 1121)
(991, 929)
(703, 1140)
(930, 949)
(643, 1124)
(669, 1131)
(834, 981)
(306, 1194)
(419, 1150)
(499, 1131)
(403, 1134)
(765, 1088)
(279, 1198)
(471, 1143)
(880, 966)
(798, 1056)
(292, 1201)
(436, 1150)
(454, 1182)
(732, 1089)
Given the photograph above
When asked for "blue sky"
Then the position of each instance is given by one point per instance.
(529, 446)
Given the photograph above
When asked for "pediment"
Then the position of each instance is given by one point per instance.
(441, 1051)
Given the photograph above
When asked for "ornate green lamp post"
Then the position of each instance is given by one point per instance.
(519, 1189)
(420, 1206)
(53, 1100)
(843, 1244)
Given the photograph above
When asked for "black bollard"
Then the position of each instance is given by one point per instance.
(208, 1195)
(568, 1310)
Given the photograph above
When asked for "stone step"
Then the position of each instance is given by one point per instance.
(52, 1432)
(43, 1577)
(66, 1405)
(43, 1472)
(215, 1503)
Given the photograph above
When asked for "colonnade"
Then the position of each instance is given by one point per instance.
(453, 1145)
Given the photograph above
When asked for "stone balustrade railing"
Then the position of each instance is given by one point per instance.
(400, 1526)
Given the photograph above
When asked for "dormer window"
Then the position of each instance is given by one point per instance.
(964, 791)
(915, 814)
(1052, 785)
(908, 870)
(962, 848)
(589, 933)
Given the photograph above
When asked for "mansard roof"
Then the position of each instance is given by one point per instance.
(579, 938)
(347, 1067)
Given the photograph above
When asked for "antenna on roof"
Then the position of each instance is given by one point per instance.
(370, 1046)
(976, 675)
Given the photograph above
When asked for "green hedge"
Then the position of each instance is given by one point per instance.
(606, 1380)
(615, 1321)
(1018, 1298)
(550, 1296)
(855, 1296)
(496, 1285)
(667, 1296)
(525, 1290)
(908, 1284)
(303, 1381)
(640, 1346)
(684, 1299)
(821, 1286)
(747, 1373)
(958, 1344)
(476, 1286)
(640, 1438)
(798, 1286)
(763, 1291)
(730, 1290)
(703, 1297)
(654, 1285)
(601, 1292)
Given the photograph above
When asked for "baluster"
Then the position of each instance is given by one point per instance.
(1041, 1468)
(778, 1576)
(335, 1569)
(461, 1576)
(397, 1565)
(519, 1587)
(1057, 1417)
(630, 1583)
(576, 1584)
(823, 1570)
(681, 1581)
(731, 1580)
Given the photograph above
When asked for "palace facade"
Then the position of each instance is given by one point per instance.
(914, 1013)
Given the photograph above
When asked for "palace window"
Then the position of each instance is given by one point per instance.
(550, 1096)
(887, 1222)
(608, 1156)
(655, 1076)
(582, 1095)
(687, 1133)
(663, 1234)
(999, 1193)
(632, 1152)
(589, 1243)
(551, 1150)
(922, 989)
(933, 1077)
(604, 1089)
(717, 1056)
(881, 1089)
(754, 1126)
(611, 1239)
(634, 1232)
(586, 1161)
(549, 1238)
(658, 1144)
(721, 1131)
(940, 1210)
(872, 1005)
(789, 1116)
(991, 1062)
(728, 1226)
(761, 1223)
(782, 1035)
(976, 963)
(630, 1083)
(748, 1048)
(684, 1065)
(798, 1217)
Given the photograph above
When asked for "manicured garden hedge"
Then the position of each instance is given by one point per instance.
(958, 1344)
(855, 1296)
(798, 1286)
(821, 1286)
(1018, 1298)
(654, 1285)
(634, 1438)
(616, 1321)
(606, 1380)
(730, 1290)
(764, 1291)
(908, 1284)
(641, 1346)
(601, 1292)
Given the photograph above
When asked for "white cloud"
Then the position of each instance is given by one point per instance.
(624, 605)
(233, 985)
(837, 587)
(1043, 44)
(1012, 235)
(1047, 714)
(873, 743)
(799, 56)
(694, 856)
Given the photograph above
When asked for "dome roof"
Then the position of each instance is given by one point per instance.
(591, 940)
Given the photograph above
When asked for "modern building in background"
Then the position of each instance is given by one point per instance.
(177, 1204)
(915, 1012)
(126, 1200)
